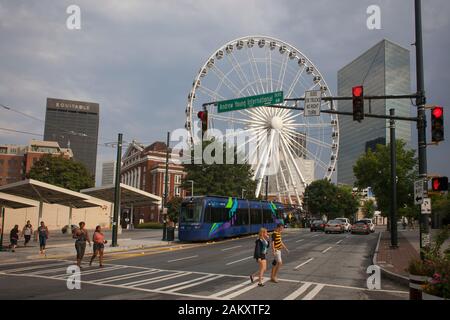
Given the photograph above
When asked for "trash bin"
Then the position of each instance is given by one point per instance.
(170, 233)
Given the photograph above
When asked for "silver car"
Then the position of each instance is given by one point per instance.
(334, 226)
(370, 224)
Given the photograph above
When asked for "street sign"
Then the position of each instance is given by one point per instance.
(418, 192)
(261, 100)
(312, 103)
(425, 208)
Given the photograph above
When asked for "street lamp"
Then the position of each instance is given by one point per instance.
(192, 187)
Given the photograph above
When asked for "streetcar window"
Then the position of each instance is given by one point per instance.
(255, 216)
(267, 216)
(242, 217)
(216, 215)
(191, 212)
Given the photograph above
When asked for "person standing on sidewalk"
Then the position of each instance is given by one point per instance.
(27, 231)
(99, 245)
(14, 237)
(261, 246)
(278, 244)
(43, 236)
(81, 235)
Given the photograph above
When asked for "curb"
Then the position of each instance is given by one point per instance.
(388, 274)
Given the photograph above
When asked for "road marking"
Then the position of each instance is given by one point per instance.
(46, 265)
(298, 292)
(299, 240)
(316, 235)
(301, 265)
(195, 284)
(125, 276)
(94, 271)
(185, 282)
(339, 241)
(220, 293)
(326, 249)
(226, 249)
(233, 262)
(243, 290)
(185, 258)
(157, 279)
(314, 292)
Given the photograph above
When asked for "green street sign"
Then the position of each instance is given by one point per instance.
(261, 100)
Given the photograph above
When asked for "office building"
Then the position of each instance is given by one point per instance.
(74, 125)
(384, 69)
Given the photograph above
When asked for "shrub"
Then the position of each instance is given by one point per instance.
(150, 225)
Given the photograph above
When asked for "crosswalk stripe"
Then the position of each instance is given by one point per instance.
(37, 267)
(94, 271)
(183, 283)
(298, 292)
(243, 290)
(220, 293)
(313, 292)
(125, 276)
(195, 284)
(156, 279)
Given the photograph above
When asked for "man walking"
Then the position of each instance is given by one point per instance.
(278, 244)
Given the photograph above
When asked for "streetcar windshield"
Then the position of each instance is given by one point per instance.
(191, 212)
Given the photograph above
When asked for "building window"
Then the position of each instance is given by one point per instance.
(178, 179)
(177, 191)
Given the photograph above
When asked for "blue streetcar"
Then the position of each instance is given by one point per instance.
(205, 218)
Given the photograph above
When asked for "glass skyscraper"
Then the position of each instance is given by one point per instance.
(384, 69)
(74, 124)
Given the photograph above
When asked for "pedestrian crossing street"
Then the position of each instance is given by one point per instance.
(190, 284)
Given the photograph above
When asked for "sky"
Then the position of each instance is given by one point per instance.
(138, 58)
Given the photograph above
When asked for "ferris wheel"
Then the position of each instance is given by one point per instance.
(289, 150)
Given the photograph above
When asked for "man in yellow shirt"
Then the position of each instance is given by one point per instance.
(278, 244)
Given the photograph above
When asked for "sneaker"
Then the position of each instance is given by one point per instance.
(261, 284)
(251, 279)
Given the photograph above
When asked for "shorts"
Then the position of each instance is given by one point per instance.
(263, 257)
(42, 241)
(277, 256)
(13, 242)
(80, 246)
(27, 238)
(98, 246)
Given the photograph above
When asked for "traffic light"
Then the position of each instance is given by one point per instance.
(439, 184)
(437, 124)
(358, 103)
(203, 116)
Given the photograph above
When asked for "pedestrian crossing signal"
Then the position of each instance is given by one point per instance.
(439, 184)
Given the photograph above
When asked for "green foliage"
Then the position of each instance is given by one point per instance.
(324, 198)
(173, 208)
(373, 169)
(441, 207)
(149, 225)
(220, 179)
(369, 208)
(62, 172)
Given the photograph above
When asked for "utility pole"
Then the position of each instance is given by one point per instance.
(117, 192)
(393, 206)
(166, 179)
(2, 211)
(421, 118)
(267, 188)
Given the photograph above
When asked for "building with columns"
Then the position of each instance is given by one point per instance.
(144, 168)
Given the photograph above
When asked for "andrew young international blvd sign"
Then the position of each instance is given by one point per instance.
(261, 100)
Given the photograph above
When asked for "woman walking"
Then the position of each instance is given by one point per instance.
(81, 236)
(27, 231)
(14, 237)
(99, 245)
(261, 246)
(43, 236)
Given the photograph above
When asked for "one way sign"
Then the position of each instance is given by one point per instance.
(418, 192)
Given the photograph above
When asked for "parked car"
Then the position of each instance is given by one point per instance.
(334, 226)
(361, 226)
(346, 224)
(370, 223)
(317, 225)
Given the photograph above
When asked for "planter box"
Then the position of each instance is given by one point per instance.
(427, 296)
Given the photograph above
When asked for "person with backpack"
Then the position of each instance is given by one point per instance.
(43, 236)
(81, 235)
(99, 245)
(261, 247)
(27, 231)
(14, 237)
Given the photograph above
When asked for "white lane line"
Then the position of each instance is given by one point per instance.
(184, 282)
(243, 290)
(314, 292)
(327, 249)
(220, 293)
(185, 258)
(339, 241)
(316, 235)
(301, 265)
(226, 249)
(126, 276)
(300, 240)
(195, 284)
(233, 262)
(298, 292)
(162, 278)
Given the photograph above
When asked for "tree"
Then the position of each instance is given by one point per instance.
(368, 209)
(62, 172)
(220, 179)
(374, 169)
(173, 208)
(324, 198)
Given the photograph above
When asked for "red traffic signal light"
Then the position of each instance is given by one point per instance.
(203, 116)
(358, 103)
(437, 124)
(439, 184)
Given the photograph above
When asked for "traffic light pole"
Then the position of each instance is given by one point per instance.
(117, 192)
(393, 206)
(421, 118)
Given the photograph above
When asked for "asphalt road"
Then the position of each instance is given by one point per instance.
(318, 266)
